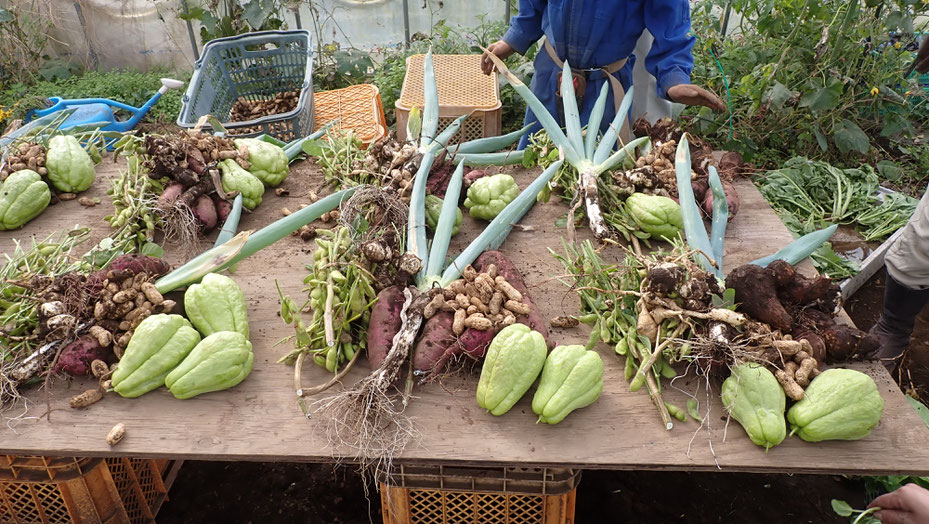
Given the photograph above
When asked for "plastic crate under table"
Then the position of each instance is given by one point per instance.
(83, 490)
(440, 495)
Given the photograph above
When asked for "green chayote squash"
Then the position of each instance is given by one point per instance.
(839, 404)
(219, 361)
(237, 179)
(70, 168)
(513, 361)
(754, 397)
(268, 161)
(488, 195)
(657, 215)
(571, 379)
(434, 210)
(216, 304)
(157, 346)
(23, 196)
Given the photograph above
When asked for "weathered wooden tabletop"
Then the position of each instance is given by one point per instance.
(259, 419)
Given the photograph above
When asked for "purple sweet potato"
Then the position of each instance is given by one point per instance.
(171, 193)
(732, 199)
(75, 358)
(437, 345)
(534, 319)
(205, 211)
(384, 325)
(129, 265)
(223, 208)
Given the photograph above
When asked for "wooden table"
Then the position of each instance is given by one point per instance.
(259, 420)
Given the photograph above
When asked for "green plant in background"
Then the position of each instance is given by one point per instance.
(821, 79)
(130, 87)
(222, 18)
(23, 36)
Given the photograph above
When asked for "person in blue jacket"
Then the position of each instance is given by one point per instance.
(597, 38)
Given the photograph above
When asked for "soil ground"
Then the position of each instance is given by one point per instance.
(261, 492)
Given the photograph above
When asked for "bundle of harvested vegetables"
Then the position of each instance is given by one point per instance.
(588, 158)
(366, 417)
(244, 109)
(340, 295)
(25, 155)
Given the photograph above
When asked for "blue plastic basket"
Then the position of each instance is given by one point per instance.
(254, 66)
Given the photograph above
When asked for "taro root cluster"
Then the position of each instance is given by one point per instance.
(802, 307)
(393, 162)
(722, 338)
(188, 159)
(729, 166)
(24, 156)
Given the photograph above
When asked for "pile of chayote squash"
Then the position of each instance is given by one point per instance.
(24, 195)
(166, 350)
(839, 404)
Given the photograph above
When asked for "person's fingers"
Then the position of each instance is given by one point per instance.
(891, 500)
(893, 516)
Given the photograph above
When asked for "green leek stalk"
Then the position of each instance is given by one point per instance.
(500, 224)
(232, 222)
(693, 222)
(596, 116)
(245, 245)
(503, 158)
(295, 149)
(416, 222)
(589, 161)
(720, 216)
(445, 225)
(800, 248)
(491, 143)
(431, 99)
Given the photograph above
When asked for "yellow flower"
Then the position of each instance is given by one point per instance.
(898, 45)
(874, 91)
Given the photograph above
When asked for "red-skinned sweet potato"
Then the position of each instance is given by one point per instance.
(75, 358)
(534, 319)
(223, 208)
(732, 199)
(384, 325)
(816, 342)
(438, 345)
(171, 193)
(205, 211)
(130, 265)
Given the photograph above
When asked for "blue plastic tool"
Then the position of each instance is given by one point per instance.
(99, 111)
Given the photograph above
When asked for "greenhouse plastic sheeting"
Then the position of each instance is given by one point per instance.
(136, 34)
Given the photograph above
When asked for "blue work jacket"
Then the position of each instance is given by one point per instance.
(595, 33)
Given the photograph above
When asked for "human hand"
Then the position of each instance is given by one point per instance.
(922, 57)
(499, 48)
(907, 505)
(693, 95)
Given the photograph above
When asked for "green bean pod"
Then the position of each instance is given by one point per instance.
(676, 412)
